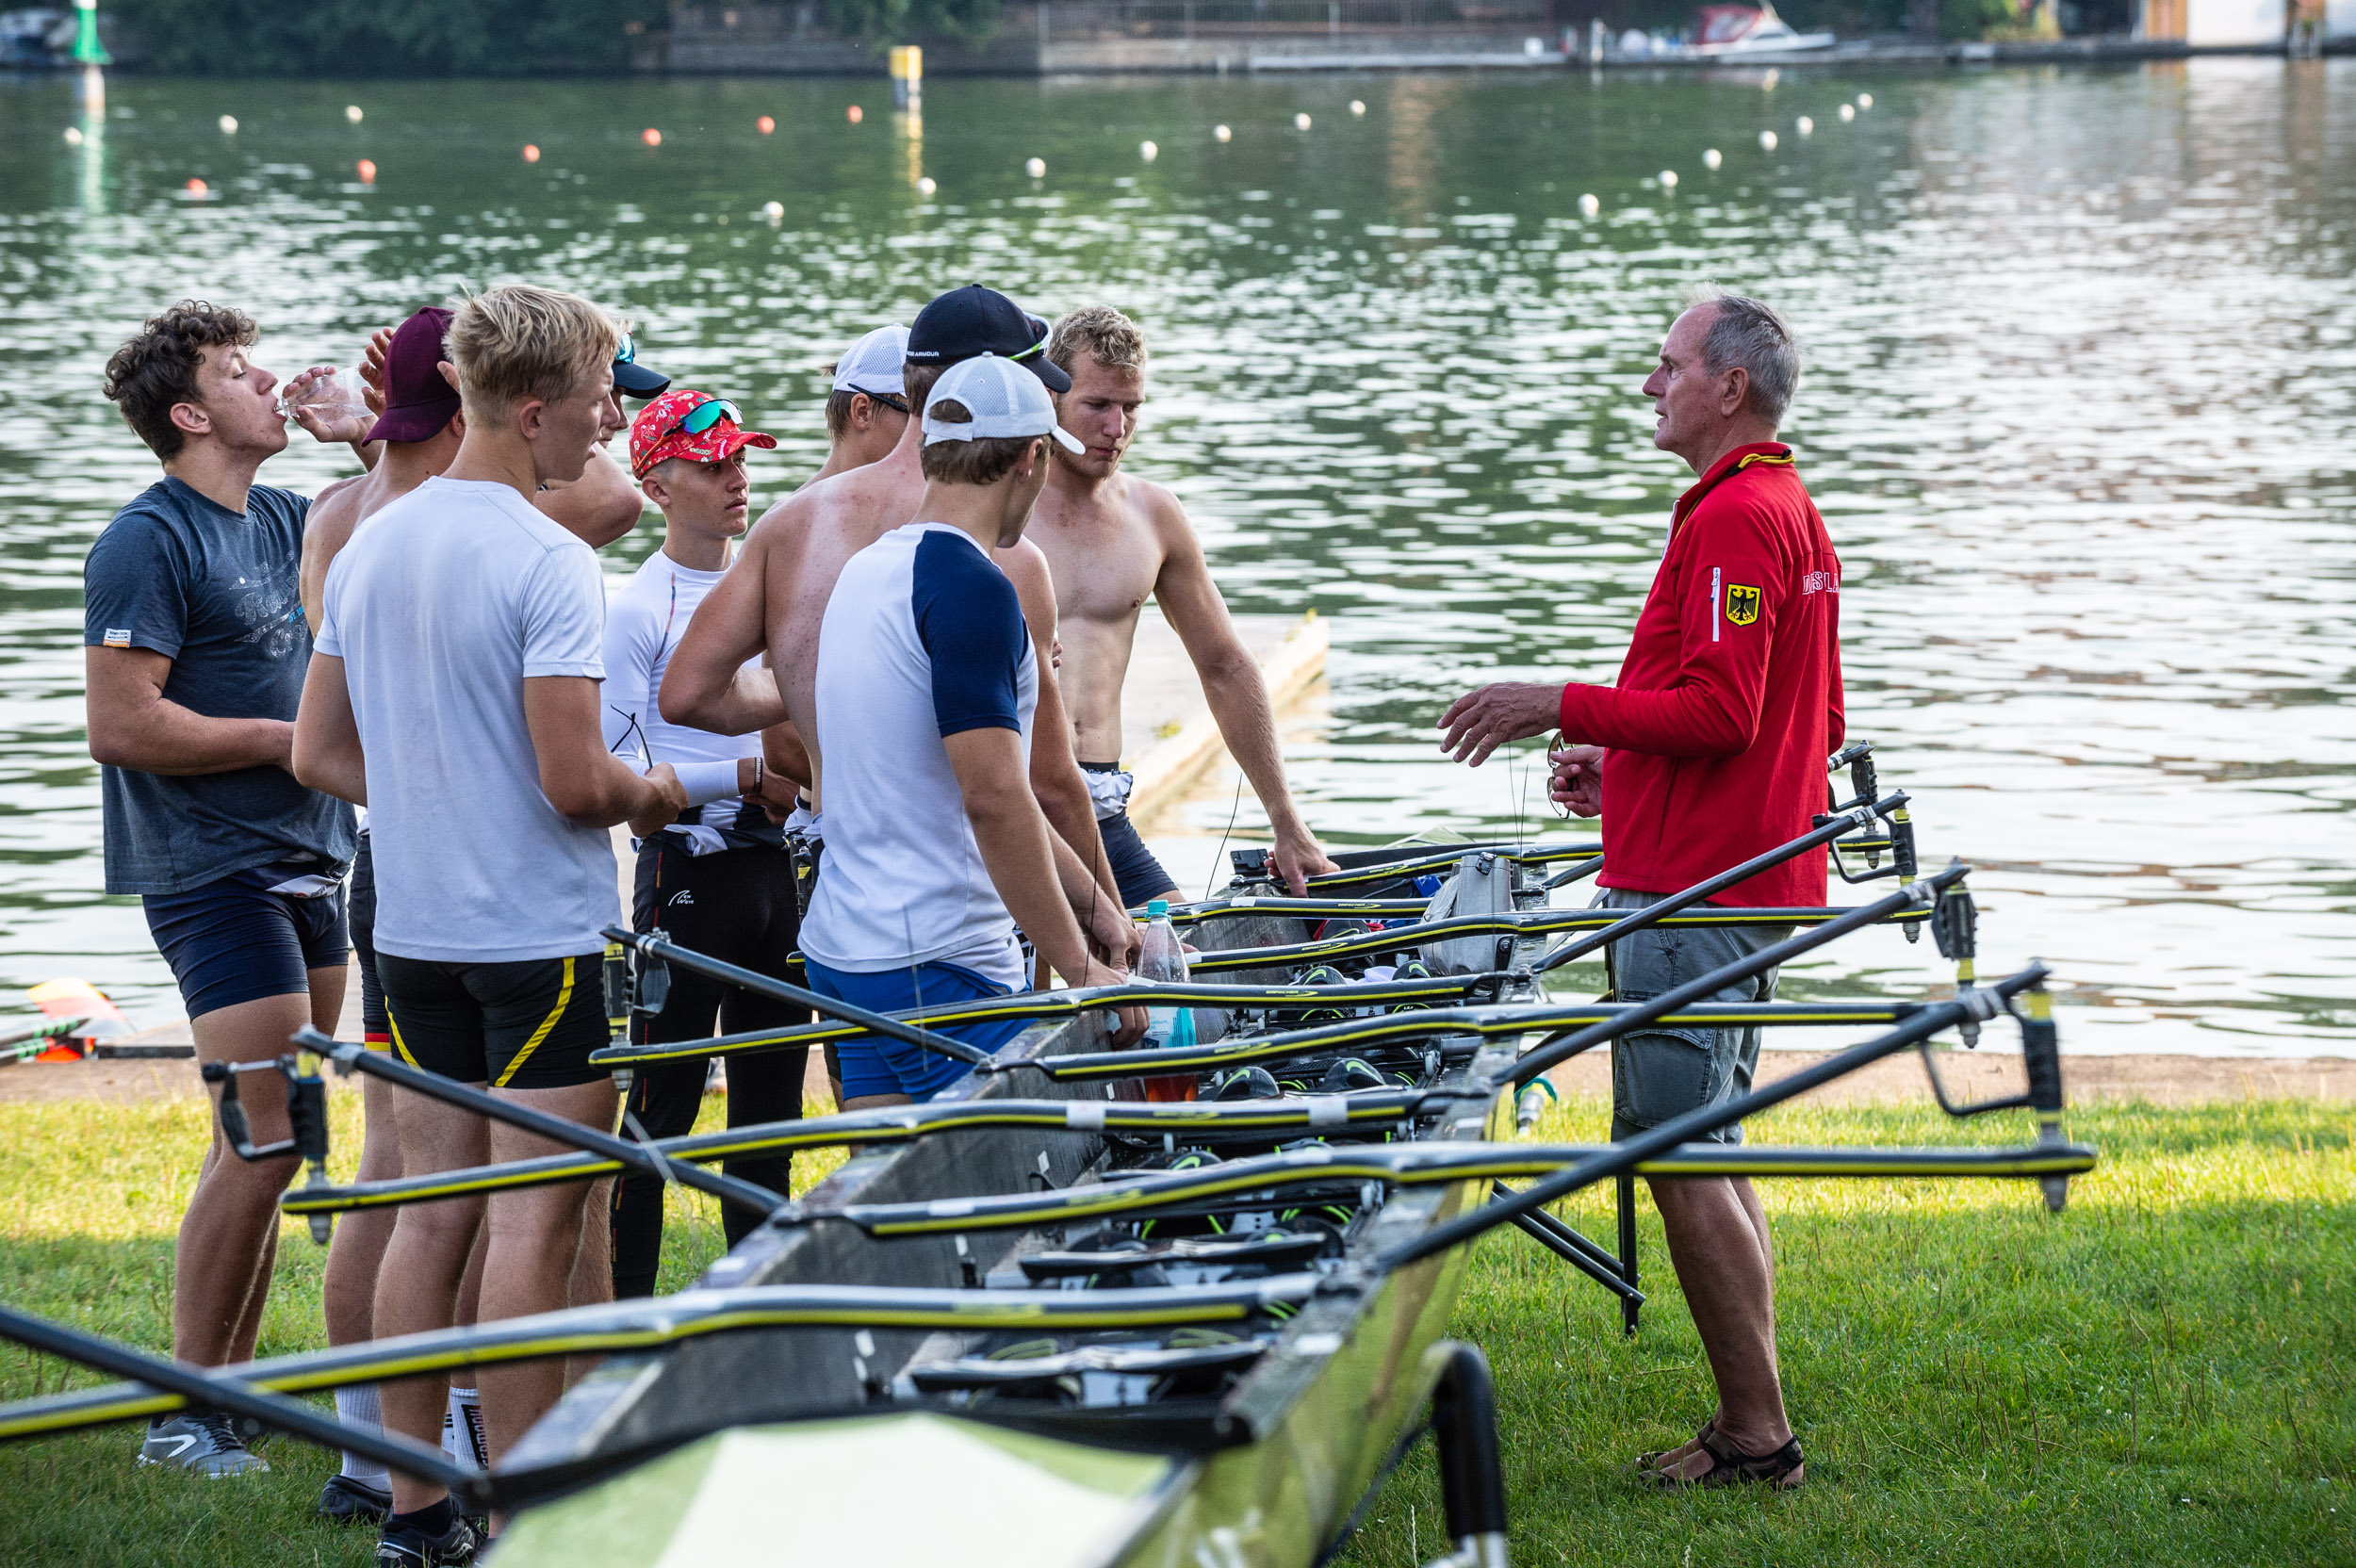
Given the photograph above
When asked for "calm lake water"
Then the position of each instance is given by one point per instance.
(2079, 410)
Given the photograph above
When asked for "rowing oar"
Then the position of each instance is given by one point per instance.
(1444, 858)
(20, 1043)
(1424, 1165)
(350, 1057)
(1349, 996)
(661, 949)
(645, 1324)
(1191, 1120)
(1709, 888)
(1629, 1155)
(176, 1385)
(1186, 1118)
(1068, 1004)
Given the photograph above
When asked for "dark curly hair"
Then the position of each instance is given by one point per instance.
(157, 369)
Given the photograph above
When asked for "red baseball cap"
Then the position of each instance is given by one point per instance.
(677, 424)
(418, 400)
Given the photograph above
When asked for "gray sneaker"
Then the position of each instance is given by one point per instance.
(202, 1443)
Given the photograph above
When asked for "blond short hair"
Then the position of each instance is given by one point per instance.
(1103, 334)
(517, 341)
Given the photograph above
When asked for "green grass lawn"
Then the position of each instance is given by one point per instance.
(2159, 1375)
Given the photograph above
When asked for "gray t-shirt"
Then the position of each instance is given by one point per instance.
(442, 605)
(215, 591)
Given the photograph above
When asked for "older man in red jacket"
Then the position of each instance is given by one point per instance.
(1709, 750)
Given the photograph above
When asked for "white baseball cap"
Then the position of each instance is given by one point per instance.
(1006, 401)
(873, 364)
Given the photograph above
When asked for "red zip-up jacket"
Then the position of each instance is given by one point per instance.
(1729, 699)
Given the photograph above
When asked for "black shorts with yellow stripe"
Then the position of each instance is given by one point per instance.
(529, 1024)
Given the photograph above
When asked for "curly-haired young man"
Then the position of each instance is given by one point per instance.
(195, 652)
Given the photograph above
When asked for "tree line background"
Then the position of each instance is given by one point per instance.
(518, 38)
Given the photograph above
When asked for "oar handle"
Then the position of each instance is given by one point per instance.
(1844, 822)
(636, 1156)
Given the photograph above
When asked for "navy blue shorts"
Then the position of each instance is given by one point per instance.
(1136, 873)
(234, 940)
(877, 1066)
(375, 1027)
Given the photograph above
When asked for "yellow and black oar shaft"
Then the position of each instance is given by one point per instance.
(1189, 1120)
(1426, 1164)
(667, 1321)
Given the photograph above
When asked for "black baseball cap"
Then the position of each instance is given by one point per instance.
(631, 378)
(976, 320)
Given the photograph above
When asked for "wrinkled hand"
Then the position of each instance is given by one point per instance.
(1129, 1025)
(372, 369)
(1298, 856)
(1112, 935)
(1576, 779)
(1481, 721)
(670, 800)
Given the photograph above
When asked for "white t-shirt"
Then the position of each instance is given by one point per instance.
(923, 638)
(441, 606)
(645, 619)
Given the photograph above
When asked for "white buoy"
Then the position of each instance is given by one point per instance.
(1147, 151)
(1357, 106)
(351, 112)
(1711, 158)
(1767, 83)
(1767, 140)
(1806, 126)
(1220, 133)
(74, 136)
(1848, 112)
(229, 125)
(1668, 179)
(774, 211)
(1301, 121)
(1589, 206)
(925, 186)
(1037, 168)
(1865, 100)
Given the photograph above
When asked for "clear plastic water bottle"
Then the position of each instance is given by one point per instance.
(1161, 958)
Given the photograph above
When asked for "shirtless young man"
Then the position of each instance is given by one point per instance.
(774, 598)
(867, 411)
(420, 428)
(1113, 540)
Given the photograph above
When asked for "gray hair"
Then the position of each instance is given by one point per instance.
(1748, 332)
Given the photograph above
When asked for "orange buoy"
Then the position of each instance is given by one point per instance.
(195, 187)
(766, 124)
(532, 154)
(651, 137)
(857, 114)
(368, 172)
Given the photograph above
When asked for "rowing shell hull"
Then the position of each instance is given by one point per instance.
(819, 1464)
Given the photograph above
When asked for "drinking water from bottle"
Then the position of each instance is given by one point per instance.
(1161, 958)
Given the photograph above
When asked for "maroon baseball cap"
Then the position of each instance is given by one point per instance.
(419, 401)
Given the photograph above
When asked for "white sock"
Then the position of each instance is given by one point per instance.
(465, 1427)
(357, 1407)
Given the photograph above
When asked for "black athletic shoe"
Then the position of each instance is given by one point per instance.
(407, 1548)
(346, 1501)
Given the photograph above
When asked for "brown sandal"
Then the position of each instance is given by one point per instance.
(1729, 1466)
(1652, 1460)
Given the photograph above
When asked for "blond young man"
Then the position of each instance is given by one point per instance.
(455, 693)
(1113, 540)
(867, 408)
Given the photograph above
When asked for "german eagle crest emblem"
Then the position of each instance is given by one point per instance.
(1742, 604)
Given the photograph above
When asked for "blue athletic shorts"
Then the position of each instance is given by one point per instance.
(875, 1066)
(234, 940)
(1136, 873)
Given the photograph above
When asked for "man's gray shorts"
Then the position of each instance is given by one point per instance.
(1660, 1072)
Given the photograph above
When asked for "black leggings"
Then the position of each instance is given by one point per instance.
(736, 906)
